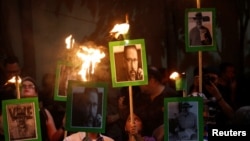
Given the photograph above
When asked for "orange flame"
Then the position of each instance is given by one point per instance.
(174, 76)
(69, 42)
(119, 29)
(13, 80)
(90, 57)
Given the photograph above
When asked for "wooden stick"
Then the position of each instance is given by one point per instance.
(131, 138)
(200, 71)
(17, 88)
(198, 3)
(131, 104)
(200, 58)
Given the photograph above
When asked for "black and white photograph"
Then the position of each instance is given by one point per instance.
(86, 104)
(200, 29)
(183, 118)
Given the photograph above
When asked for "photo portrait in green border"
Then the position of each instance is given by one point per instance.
(183, 118)
(85, 98)
(128, 63)
(21, 119)
(200, 29)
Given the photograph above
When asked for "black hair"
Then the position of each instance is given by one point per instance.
(10, 60)
(128, 47)
(153, 72)
(223, 66)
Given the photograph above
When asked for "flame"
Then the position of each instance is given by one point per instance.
(174, 76)
(13, 79)
(90, 57)
(69, 42)
(120, 29)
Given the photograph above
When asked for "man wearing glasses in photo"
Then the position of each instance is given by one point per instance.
(131, 68)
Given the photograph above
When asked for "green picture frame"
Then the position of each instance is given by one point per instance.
(76, 106)
(204, 38)
(117, 62)
(64, 72)
(16, 113)
(174, 119)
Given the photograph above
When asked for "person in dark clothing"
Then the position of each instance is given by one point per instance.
(151, 103)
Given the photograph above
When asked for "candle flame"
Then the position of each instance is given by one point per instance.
(174, 76)
(120, 29)
(13, 80)
(90, 57)
(69, 42)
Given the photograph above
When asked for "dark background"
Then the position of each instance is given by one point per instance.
(35, 31)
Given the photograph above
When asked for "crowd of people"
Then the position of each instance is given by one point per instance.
(222, 94)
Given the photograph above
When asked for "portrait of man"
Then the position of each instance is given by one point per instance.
(199, 33)
(130, 64)
(183, 121)
(87, 108)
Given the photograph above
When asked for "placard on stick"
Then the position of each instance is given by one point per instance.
(128, 63)
(200, 29)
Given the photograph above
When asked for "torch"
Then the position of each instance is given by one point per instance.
(180, 82)
(123, 29)
(17, 80)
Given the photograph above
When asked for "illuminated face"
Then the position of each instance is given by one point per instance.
(131, 62)
(137, 123)
(91, 107)
(28, 89)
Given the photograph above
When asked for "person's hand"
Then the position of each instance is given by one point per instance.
(139, 74)
(213, 90)
(202, 34)
(98, 120)
(121, 105)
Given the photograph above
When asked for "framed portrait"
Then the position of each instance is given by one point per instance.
(86, 106)
(128, 63)
(64, 73)
(21, 119)
(183, 119)
(200, 29)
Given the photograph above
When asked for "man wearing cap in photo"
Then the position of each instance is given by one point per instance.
(187, 122)
(199, 35)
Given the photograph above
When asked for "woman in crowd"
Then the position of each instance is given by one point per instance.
(49, 131)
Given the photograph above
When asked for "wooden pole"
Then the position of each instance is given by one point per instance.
(131, 109)
(17, 87)
(199, 58)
